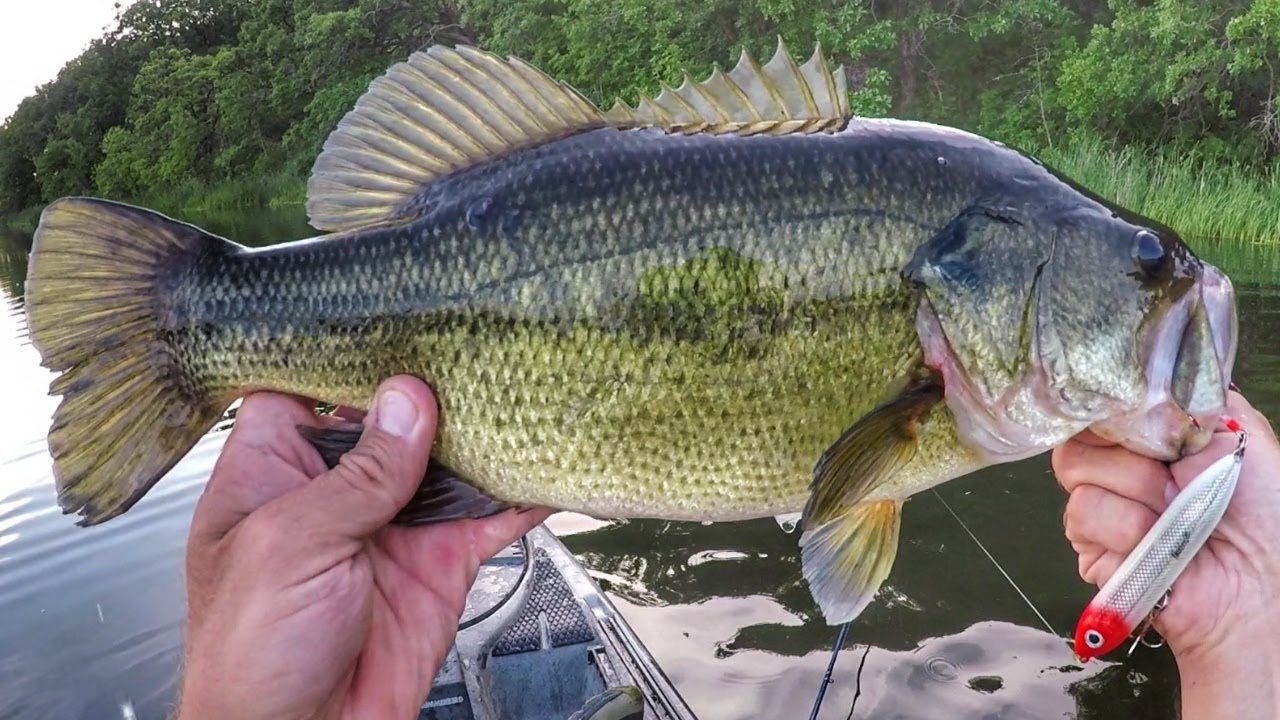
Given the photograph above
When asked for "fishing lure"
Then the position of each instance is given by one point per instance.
(1140, 587)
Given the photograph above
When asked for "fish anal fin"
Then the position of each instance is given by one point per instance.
(443, 494)
(847, 558)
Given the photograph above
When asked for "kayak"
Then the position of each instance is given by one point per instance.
(539, 639)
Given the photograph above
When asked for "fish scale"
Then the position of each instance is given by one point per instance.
(824, 357)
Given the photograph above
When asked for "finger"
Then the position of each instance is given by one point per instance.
(1116, 470)
(267, 423)
(1101, 517)
(375, 479)
(1098, 569)
(1088, 437)
(264, 436)
(1221, 444)
(349, 414)
(491, 534)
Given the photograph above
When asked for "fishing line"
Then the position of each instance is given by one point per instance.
(831, 665)
(992, 558)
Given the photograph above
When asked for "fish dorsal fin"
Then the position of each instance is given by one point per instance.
(445, 109)
(779, 98)
(442, 110)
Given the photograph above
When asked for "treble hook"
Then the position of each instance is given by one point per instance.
(1146, 628)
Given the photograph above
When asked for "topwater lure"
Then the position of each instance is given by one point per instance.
(1140, 587)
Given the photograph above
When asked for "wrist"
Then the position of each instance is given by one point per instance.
(1234, 674)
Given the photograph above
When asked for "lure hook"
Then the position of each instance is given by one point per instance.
(1146, 629)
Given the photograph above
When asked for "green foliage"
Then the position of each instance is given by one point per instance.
(1201, 198)
(215, 103)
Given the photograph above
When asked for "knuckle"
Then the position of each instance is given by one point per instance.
(1070, 465)
(1061, 462)
(1083, 566)
(365, 465)
(1134, 527)
(1258, 420)
(1072, 515)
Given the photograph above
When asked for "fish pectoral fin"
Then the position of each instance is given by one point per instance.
(875, 447)
(849, 544)
(846, 559)
(442, 495)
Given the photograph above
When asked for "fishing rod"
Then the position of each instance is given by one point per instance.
(831, 666)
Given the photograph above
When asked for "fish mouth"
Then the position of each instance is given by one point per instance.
(1190, 356)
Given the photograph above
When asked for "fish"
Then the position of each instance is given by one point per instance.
(733, 300)
(1140, 586)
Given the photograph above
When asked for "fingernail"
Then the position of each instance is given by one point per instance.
(396, 413)
(1170, 492)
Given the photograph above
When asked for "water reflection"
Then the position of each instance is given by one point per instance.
(13, 266)
(92, 617)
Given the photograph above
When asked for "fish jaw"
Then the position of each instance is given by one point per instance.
(1189, 358)
(1191, 355)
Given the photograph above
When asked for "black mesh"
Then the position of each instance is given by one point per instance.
(552, 600)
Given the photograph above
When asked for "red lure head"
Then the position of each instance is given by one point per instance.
(1098, 632)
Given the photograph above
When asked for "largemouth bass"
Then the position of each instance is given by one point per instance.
(731, 301)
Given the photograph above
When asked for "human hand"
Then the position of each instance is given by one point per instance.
(302, 601)
(1219, 621)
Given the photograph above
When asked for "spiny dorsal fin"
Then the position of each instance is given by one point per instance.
(779, 98)
(442, 110)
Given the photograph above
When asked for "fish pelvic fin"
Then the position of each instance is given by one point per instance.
(849, 543)
(95, 305)
(447, 109)
(443, 494)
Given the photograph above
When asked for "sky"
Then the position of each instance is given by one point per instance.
(38, 37)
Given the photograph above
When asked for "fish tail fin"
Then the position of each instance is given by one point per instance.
(96, 304)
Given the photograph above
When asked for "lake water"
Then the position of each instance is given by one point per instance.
(90, 619)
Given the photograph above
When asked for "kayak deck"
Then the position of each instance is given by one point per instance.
(539, 640)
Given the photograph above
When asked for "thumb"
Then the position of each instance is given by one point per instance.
(376, 478)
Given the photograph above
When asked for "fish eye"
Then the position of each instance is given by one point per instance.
(1093, 639)
(1148, 253)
